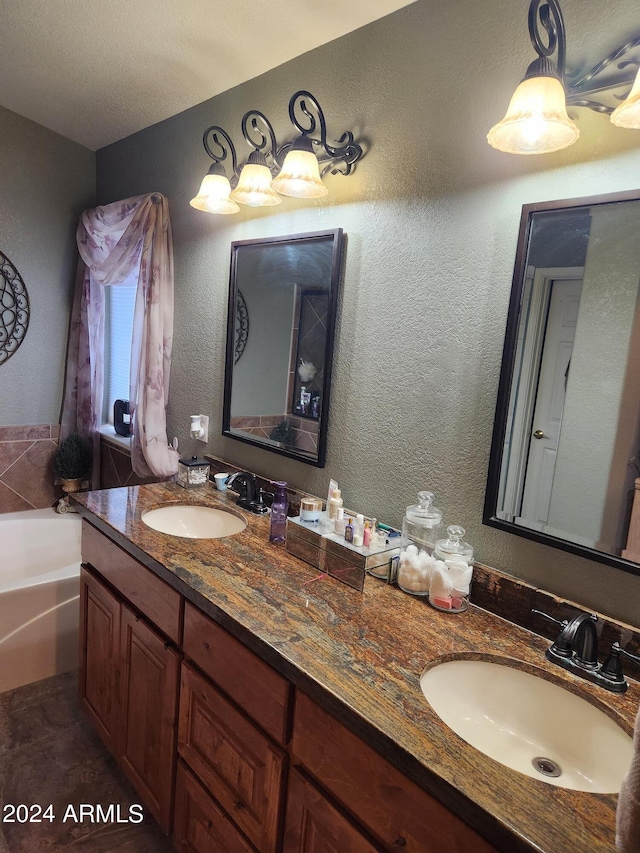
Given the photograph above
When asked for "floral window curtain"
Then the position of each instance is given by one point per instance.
(127, 242)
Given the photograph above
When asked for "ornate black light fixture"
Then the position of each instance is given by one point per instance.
(537, 121)
(295, 168)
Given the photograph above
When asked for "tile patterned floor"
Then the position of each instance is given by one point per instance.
(50, 755)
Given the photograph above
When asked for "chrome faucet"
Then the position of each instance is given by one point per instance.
(576, 650)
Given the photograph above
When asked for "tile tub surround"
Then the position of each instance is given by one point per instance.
(360, 655)
(50, 754)
(115, 467)
(26, 467)
(305, 429)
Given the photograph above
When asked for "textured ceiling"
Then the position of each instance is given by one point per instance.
(96, 72)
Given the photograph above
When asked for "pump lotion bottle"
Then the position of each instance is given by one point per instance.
(334, 502)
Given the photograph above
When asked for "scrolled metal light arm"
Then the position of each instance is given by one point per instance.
(307, 117)
(583, 89)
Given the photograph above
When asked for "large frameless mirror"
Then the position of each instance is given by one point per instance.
(282, 310)
(564, 466)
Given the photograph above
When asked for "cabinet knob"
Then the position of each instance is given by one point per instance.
(539, 433)
(238, 805)
(400, 842)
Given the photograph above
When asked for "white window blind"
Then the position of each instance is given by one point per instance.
(120, 304)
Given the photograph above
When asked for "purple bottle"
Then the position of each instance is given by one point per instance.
(278, 529)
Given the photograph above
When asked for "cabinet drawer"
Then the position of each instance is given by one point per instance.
(239, 765)
(257, 688)
(147, 592)
(200, 825)
(314, 825)
(397, 811)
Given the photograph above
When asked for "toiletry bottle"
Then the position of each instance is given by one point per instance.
(334, 503)
(278, 528)
(366, 535)
(340, 522)
(348, 531)
(358, 531)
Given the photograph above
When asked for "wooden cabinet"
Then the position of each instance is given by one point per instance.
(239, 765)
(314, 825)
(210, 738)
(254, 686)
(146, 592)
(129, 677)
(149, 689)
(100, 658)
(200, 825)
(396, 812)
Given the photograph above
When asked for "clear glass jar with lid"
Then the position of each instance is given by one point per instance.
(422, 522)
(421, 525)
(451, 576)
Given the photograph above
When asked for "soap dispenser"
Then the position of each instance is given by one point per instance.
(278, 528)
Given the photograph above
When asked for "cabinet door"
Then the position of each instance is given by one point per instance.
(394, 809)
(150, 672)
(200, 826)
(239, 765)
(314, 825)
(99, 658)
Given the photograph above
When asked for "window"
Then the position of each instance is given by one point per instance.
(120, 304)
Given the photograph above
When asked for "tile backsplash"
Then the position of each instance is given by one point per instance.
(26, 467)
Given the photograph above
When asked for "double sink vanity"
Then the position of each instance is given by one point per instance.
(256, 705)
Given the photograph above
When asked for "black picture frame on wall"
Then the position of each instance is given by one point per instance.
(259, 389)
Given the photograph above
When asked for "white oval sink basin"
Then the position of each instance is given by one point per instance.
(194, 522)
(530, 724)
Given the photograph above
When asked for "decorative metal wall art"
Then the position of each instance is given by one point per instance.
(242, 327)
(14, 309)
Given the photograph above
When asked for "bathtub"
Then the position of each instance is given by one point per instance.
(39, 595)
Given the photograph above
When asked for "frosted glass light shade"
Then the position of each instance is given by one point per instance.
(536, 121)
(300, 173)
(254, 186)
(213, 195)
(627, 114)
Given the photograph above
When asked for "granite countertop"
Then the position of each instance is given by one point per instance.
(361, 654)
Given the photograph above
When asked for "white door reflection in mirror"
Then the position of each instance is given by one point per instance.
(567, 434)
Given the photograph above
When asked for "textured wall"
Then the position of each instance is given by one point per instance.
(432, 217)
(47, 181)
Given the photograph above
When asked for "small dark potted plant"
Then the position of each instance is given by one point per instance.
(284, 434)
(72, 462)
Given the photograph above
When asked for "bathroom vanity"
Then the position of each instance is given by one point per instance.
(257, 706)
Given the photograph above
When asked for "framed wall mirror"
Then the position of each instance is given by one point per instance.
(282, 310)
(565, 455)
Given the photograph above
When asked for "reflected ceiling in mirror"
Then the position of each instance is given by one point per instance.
(564, 466)
(282, 309)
